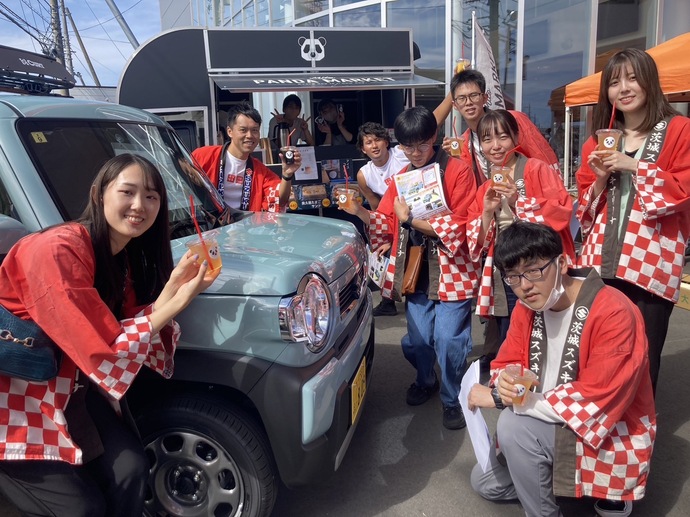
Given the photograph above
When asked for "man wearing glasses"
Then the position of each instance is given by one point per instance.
(468, 95)
(589, 428)
(439, 312)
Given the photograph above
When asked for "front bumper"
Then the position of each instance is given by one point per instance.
(316, 426)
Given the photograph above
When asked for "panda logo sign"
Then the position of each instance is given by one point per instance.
(609, 142)
(312, 49)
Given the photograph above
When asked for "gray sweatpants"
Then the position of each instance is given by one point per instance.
(528, 447)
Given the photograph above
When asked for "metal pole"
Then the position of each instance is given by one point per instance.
(123, 24)
(68, 49)
(83, 50)
(57, 33)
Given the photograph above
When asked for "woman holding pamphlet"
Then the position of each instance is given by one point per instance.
(520, 188)
(633, 194)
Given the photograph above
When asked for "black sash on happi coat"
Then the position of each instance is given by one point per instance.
(246, 183)
(613, 245)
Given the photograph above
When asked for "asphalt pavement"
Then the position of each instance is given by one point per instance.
(403, 463)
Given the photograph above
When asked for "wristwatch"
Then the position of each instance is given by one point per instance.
(497, 399)
(408, 224)
(287, 178)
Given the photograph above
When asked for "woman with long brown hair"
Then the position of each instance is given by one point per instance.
(634, 200)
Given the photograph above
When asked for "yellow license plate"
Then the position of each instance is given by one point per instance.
(358, 389)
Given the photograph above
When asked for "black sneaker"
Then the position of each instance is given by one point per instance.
(386, 308)
(453, 417)
(417, 395)
(607, 508)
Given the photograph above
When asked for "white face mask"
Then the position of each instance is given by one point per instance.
(557, 290)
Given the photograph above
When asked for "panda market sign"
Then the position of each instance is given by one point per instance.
(326, 81)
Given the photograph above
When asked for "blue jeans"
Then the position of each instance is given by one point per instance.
(438, 330)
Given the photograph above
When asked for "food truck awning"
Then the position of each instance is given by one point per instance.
(312, 82)
(174, 68)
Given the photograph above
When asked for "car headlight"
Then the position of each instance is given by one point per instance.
(306, 316)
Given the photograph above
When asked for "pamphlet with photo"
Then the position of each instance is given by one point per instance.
(422, 190)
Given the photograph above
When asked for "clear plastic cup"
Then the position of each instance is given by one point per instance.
(345, 196)
(500, 175)
(210, 242)
(609, 139)
(524, 379)
(289, 153)
(456, 145)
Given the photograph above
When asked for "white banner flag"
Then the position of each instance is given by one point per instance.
(486, 64)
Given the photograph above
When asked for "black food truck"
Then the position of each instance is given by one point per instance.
(191, 76)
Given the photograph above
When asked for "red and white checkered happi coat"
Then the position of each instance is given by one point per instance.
(655, 235)
(545, 201)
(610, 405)
(459, 276)
(49, 277)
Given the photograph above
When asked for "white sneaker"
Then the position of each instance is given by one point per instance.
(602, 508)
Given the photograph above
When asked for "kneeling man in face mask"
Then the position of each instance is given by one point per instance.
(588, 428)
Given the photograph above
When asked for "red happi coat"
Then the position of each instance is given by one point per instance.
(459, 275)
(264, 196)
(531, 142)
(48, 277)
(654, 236)
(545, 201)
(609, 406)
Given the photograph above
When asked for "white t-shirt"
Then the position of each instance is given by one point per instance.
(378, 178)
(234, 177)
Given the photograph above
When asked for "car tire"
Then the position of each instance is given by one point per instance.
(206, 459)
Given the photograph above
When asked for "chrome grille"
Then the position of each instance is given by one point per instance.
(349, 294)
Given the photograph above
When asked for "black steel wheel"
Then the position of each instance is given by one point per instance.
(206, 460)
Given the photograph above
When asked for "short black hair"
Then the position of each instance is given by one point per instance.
(416, 124)
(523, 241)
(243, 108)
(468, 77)
(292, 99)
(323, 103)
(375, 129)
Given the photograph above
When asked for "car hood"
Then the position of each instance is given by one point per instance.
(268, 254)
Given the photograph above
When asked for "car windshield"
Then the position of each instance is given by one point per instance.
(69, 153)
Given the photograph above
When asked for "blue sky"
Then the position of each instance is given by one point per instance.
(105, 42)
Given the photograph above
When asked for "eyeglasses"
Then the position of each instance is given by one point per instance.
(462, 99)
(531, 275)
(422, 148)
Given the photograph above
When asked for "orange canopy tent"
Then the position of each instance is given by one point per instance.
(673, 61)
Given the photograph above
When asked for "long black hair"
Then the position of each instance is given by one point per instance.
(147, 257)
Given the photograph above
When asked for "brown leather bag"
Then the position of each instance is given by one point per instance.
(413, 265)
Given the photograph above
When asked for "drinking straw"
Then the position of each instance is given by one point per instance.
(505, 158)
(522, 370)
(198, 230)
(289, 135)
(347, 177)
(455, 131)
(613, 115)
